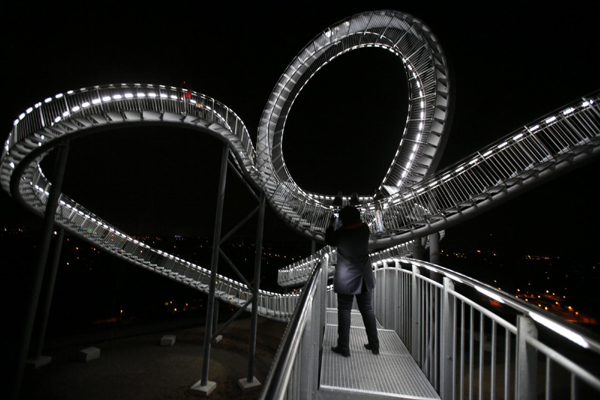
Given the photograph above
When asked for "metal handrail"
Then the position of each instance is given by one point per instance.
(448, 318)
(298, 272)
(397, 32)
(557, 137)
(66, 113)
(560, 137)
(276, 385)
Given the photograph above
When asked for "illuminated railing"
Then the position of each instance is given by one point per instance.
(67, 114)
(102, 106)
(469, 339)
(297, 273)
(90, 227)
(428, 92)
(560, 138)
(295, 370)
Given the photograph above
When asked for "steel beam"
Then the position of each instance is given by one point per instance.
(255, 288)
(214, 264)
(38, 273)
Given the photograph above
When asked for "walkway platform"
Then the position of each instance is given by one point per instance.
(391, 374)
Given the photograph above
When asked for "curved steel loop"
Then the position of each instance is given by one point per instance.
(78, 112)
(557, 142)
(89, 110)
(427, 74)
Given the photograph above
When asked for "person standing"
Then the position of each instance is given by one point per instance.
(353, 277)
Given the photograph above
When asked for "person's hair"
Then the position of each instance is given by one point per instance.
(349, 215)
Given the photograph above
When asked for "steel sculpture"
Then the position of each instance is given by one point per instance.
(419, 202)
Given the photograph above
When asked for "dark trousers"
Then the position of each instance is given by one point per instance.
(365, 305)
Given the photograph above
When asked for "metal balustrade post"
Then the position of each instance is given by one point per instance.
(415, 311)
(447, 351)
(38, 273)
(203, 387)
(526, 360)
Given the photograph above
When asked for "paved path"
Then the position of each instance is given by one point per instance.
(139, 368)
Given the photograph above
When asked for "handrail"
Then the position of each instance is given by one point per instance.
(563, 137)
(453, 326)
(591, 341)
(279, 375)
(558, 137)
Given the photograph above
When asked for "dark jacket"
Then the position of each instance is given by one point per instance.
(354, 269)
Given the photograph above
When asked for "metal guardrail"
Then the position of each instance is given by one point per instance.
(553, 139)
(427, 77)
(294, 373)
(470, 339)
(557, 138)
(297, 273)
(560, 137)
(94, 106)
(464, 347)
(474, 341)
(99, 106)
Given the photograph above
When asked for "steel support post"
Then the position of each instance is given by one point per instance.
(313, 247)
(39, 334)
(214, 266)
(418, 250)
(215, 322)
(447, 350)
(526, 359)
(38, 273)
(415, 312)
(434, 248)
(256, 286)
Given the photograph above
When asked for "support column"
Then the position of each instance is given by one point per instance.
(38, 273)
(218, 338)
(251, 382)
(434, 248)
(39, 335)
(204, 387)
(418, 250)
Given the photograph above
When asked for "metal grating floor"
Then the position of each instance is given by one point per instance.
(355, 319)
(393, 373)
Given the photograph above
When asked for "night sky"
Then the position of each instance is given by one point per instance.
(509, 66)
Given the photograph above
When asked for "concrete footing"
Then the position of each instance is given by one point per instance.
(203, 390)
(249, 386)
(167, 340)
(35, 363)
(89, 354)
